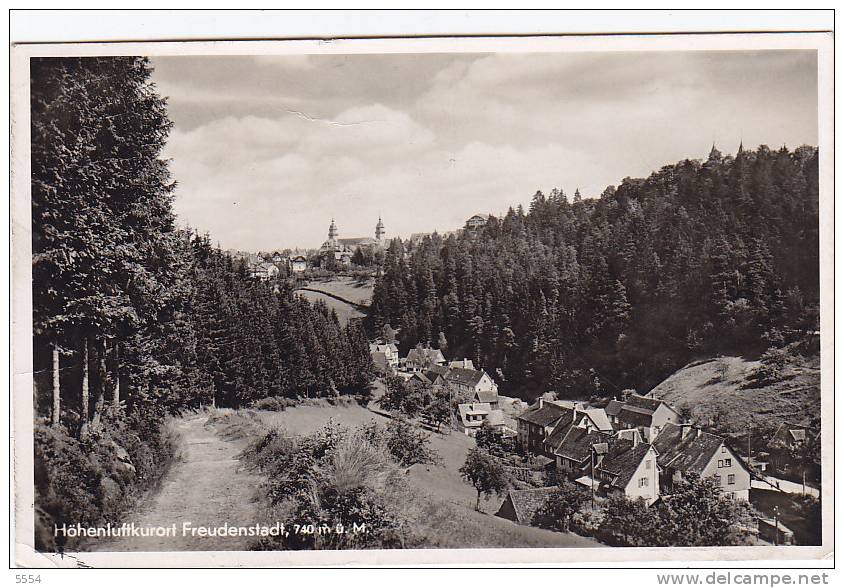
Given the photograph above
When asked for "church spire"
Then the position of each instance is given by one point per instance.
(714, 154)
(379, 229)
(332, 230)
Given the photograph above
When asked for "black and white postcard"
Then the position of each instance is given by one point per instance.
(410, 301)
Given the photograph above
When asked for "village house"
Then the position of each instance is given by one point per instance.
(298, 264)
(474, 414)
(646, 415)
(627, 467)
(789, 436)
(475, 224)
(263, 270)
(612, 409)
(390, 351)
(685, 449)
(436, 375)
(585, 419)
(784, 447)
(536, 423)
(420, 358)
(477, 382)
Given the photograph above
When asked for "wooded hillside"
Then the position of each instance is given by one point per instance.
(591, 296)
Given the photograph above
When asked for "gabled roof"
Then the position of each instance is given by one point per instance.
(486, 396)
(421, 377)
(644, 402)
(598, 417)
(613, 408)
(690, 454)
(422, 355)
(622, 461)
(432, 376)
(544, 416)
(562, 427)
(527, 502)
(636, 416)
(577, 443)
(473, 408)
(438, 369)
(465, 377)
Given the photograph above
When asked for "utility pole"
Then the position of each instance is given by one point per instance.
(776, 525)
(592, 477)
(748, 445)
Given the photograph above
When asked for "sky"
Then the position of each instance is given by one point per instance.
(267, 149)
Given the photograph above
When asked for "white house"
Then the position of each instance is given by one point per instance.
(685, 449)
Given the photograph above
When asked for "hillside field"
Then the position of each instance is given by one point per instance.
(447, 501)
(716, 393)
(346, 287)
(344, 311)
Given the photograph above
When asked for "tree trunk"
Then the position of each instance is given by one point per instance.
(85, 390)
(102, 373)
(478, 502)
(57, 387)
(116, 372)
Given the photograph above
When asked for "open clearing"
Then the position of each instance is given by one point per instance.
(344, 311)
(359, 292)
(714, 390)
(439, 483)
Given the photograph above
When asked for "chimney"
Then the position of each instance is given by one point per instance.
(541, 402)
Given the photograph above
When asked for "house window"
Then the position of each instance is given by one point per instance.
(723, 449)
(648, 464)
(717, 480)
(728, 462)
(720, 463)
(731, 479)
(643, 482)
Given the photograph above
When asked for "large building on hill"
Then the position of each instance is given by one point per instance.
(342, 250)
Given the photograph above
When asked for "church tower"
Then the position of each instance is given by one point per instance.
(379, 230)
(332, 231)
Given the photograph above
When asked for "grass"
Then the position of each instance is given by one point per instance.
(715, 390)
(346, 287)
(344, 311)
(447, 503)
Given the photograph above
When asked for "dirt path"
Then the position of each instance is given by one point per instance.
(207, 486)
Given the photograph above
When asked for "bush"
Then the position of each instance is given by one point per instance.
(94, 479)
(334, 479)
(560, 507)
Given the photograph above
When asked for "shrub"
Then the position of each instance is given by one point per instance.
(559, 508)
(94, 479)
(327, 483)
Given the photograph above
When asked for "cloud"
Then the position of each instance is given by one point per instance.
(266, 149)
